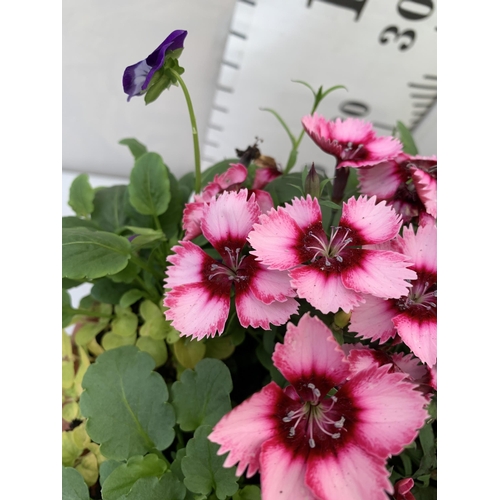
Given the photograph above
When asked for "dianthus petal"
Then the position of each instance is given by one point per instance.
(389, 410)
(270, 285)
(275, 238)
(372, 222)
(324, 290)
(307, 357)
(426, 187)
(381, 180)
(228, 219)
(379, 273)
(282, 473)
(195, 310)
(373, 319)
(235, 174)
(304, 211)
(252, 312)
(420, 335)
(188, 262)
(350, 474)
(421, 248)
(245, 428)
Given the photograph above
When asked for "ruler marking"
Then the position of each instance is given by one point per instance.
(231, 64)
(430, 77)
(383, 125)
(220, 108)
(238, 34)
(212, 144)
(223, 88)
(422, 96)
(422, 86)
(249, 2)
(214, 126)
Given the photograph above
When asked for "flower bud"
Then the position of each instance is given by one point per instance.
(312, 183)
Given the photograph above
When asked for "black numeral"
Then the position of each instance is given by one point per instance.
(355, 5)
(414, 10)
(407, 37)
(354, 108)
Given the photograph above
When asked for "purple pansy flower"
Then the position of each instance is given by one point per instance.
(136, 78)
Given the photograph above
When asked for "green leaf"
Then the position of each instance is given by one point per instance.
(136, 148)
(67, 283)
(283, 124)
(201, 397)
(203, 468)
(105, 290)
(329, 204)
(281, 189)
(420, 493)
(126, 275)
(81, 196)
(149, 187)
(67, 311)
(131, 297)
(220, 347)
(110, 208)
(189, 352)
(106, 468)
(112, 340)
(168, 487)
(126, 404)
(121, 480)
(125, 323)
(428, 443)
(73, 485)
(157, 349)
(249, 492)
(171, 220)
(71, 221)
(404, 135)
(88, 331)
(92, 254)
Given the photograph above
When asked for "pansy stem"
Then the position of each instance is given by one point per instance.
(196, 144)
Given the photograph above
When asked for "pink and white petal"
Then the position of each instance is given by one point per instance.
(372, 222)
(282, 473)
(274, 239)
(351, 474)
(378, 273)
(426, 187)
(352, 130)
(381, 180)
(264, 200)
(235, 174)
(191, 219)
(228, 219)
(304, 211)
(421, 248)
(389, 410)
(361, 359)
(307, 356)
(188, 262)
(420, 335)
(196, 311)
(373, 319)
(264, 175)
(411, 365)
(270, 285)
(402, 489)
(324, 291)
(252, 312)
(244, 429)
(384, 148)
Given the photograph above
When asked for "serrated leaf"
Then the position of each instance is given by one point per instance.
(136, 148)
(201, 397)
(157, 349)
(81, 196)
(189, 352)
(93, 254)
(73, 485)
(203, 468)
(106, 468)
(149, 186)
(121, 479)
(168, 487)
(126, 404)
(404, 135)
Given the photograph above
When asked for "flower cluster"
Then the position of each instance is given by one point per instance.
(298, 334)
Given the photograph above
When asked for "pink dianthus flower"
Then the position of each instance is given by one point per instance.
(333, 272)
(353, 142)
(200, 287)
(309, 444)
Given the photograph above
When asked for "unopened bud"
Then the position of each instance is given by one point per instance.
(312, 183)
(342, 318)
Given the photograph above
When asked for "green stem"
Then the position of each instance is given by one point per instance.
(139, 262)
(196, 144)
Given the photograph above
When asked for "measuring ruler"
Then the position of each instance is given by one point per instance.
(382, 51)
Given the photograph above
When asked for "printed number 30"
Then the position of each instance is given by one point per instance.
(391, 33)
